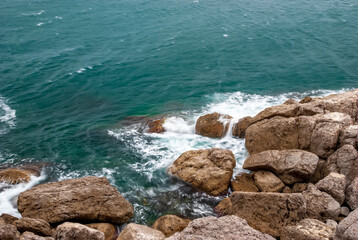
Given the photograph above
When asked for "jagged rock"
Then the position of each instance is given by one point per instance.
(308, 229)
(213, 125)
(240, 127)
(319, 173)
(299, 187)
(14, 176)
(8, 218)
(9, 232)
(32, 236)
(289, 165)
(349, 135)
(320, 205)
(156, 126)
(108, 229)
(345, 211)
(170, 224)
(227, 227)
(76, 231)
(352, 194)
(268, 182)
(334, 184)
(347, 229)
(269, 212)
(224, 207)
(139, 232)
(35, 225)
(244, 182)
(208, 170)
(344, 161)
(88, 199)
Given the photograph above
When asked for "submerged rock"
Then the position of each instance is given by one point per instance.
(71, 231)
(140, 232)
(213, 125)
(170, 224)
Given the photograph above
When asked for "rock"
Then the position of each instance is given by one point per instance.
(299, 187)
(213, 125)
(8, 218)
(76, 231)
(208, 170)
(240, 127)
(109, 230)
(14, 176)
(156, 126)
(305, 127)
(352, 194)
(227, 227)
(319, 172)
(290, 101)
(290, 166)
(345, 211)
(349, 135)
(308, 229)
(170, 224)
(287, 190)
(306, 99)
(268, 182)
(269, 212)
(32, 236)
(320, 205)
(343, 161)
(344, 103)
(88, 199)
(35, 225)
(284, 111)
(347, 229)
(334, 184)
(9, 232)
(2, 222)
(139, 232)
(244, 182)
(224, 207)
(331, 223)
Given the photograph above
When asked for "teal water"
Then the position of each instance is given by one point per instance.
(71, 71)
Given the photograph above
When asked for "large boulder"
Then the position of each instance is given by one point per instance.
(208, 170)
(35, 225)
(347, 229)
(240, 127)
(139, 232)
(269, 212)
(213, 125)
(227, 227)
(352, 194)
(109, 230)
(268, 182)
(244, 182)
(9, 232)
(308, 229)
(76, 231)
(87, 199)
(334, 184)
(32, 236)
(170, 224)
(289, 165)
(14, 176)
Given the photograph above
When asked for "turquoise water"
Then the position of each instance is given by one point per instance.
(71, 71)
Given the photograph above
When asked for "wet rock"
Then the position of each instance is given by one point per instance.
(269, 212)
(35, 225)
(213, 125)
(244, 182)
(139, 232)
(14, 176)
(299, 187)
(347, 229)
(9, 232)
(76, 231)
(268, 182)
(9, 219)
(32, 236)
(308, 229)
(208, 170)
(170, 224)
(88, 199)
(349, 135)
(352, 194)
(289, 165)
(224, 207)
(156, 126)
(334, 184)
(240, 127)
(109, 230)
(227, 227)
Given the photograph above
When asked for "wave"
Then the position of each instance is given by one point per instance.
(7, 116)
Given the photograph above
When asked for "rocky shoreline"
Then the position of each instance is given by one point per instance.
(301, 183)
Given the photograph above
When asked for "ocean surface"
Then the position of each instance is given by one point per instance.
(74, 73)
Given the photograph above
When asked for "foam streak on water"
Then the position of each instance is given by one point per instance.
(7, 116)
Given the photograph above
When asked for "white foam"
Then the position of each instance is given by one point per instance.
(81, 70)
(178, 125)
(40, 24)
(7, 117)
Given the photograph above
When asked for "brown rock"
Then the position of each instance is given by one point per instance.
(268, 212)
(244, 182)
(290, 101)
(213, 125)
(286, 111)
(170, 224)
(305, 127)
(227, 227)
(306, 99)
(345, 211)
(349, 135)
(319, 173)
(289, 165)
(334, 184)
(9, 232)
(240, 127)
(76, 231)
(308, 229)
(287, 190)
(344, 103)
(35, 225)
(208, 170)
(224, 207)
(352, 194)
(14, 176)
(347, 229)
(299, 187)
(139, 232)
(8, 218)
(156, 126)
(324, 139)
(88, 198)
(109, 230)
(32, 236)
(268, 182)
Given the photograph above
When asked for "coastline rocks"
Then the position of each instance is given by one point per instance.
(308, 229)
(9, 232)
(244, 182)
(347, 229)
(156, 126)
(349, 135)
(214, 125)
(269, 212)
(208, 170)
(227, 227)
(8, 218)
(170, 224)
(334, 184)
(72, 231)
(290, 166)
(140, 232)
(37, 226)
(108, 229)
(268, 182)
(224, 207)
(240, 127)
(299, 187)
(32, 236)
(14, 176)
(352, 194)
(88, 198)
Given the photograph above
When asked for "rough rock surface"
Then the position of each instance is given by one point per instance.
(156, 126)
(9, 232)
(32, 236)
(14, 176)
(35, 225)
(299, 187)
(334, 184)
(347, 229)
(320, 205)
(349, 135)
(213, 125)
(212, 228)
(76, 231)
(268, 182)
(208, 170)
(108, 229)
(269, 212)
(319, 173)
(224, 207)
(140, 232)
(308, 229)
(345, 211)
(352, 194)
(240, 127)
(9, 219)
(88, 198)
(170, 224)
(290, 166)
(244, 182)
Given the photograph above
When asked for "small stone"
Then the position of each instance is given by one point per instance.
(287, 190)
(224, 207)
(170, 224)
(9, 219)
(140, 232)
(240, 127)
(71, 231)
(345, 211)
(331, 223)
(35, 225)
(299, 187)
(268, 182)
(244, 182)
(213, 125)
(108, 229)
(32, 236)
